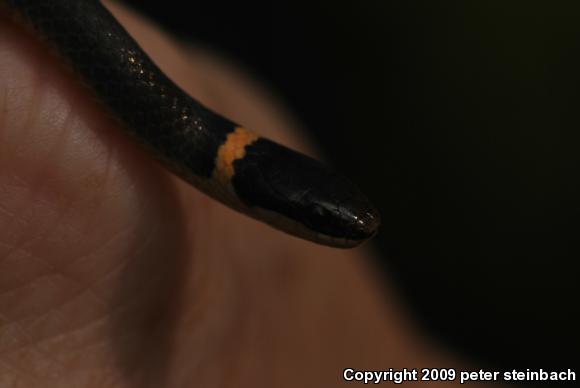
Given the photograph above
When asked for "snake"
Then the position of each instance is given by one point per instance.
(232, 164)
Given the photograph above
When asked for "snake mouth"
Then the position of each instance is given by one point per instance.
(300, 230)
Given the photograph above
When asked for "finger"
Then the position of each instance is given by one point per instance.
(87, 270)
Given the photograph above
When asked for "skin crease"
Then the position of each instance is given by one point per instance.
(113, 273)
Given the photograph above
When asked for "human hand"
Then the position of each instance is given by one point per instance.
(115, 273)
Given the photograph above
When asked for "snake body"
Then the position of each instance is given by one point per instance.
(236, 166)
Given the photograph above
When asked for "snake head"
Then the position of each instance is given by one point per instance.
(302, 196)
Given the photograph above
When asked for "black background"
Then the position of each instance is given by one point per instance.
(461, 121)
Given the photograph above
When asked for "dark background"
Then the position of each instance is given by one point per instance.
(461, 121)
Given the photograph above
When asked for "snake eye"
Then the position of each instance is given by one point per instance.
(315, 215)
(318, 210)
